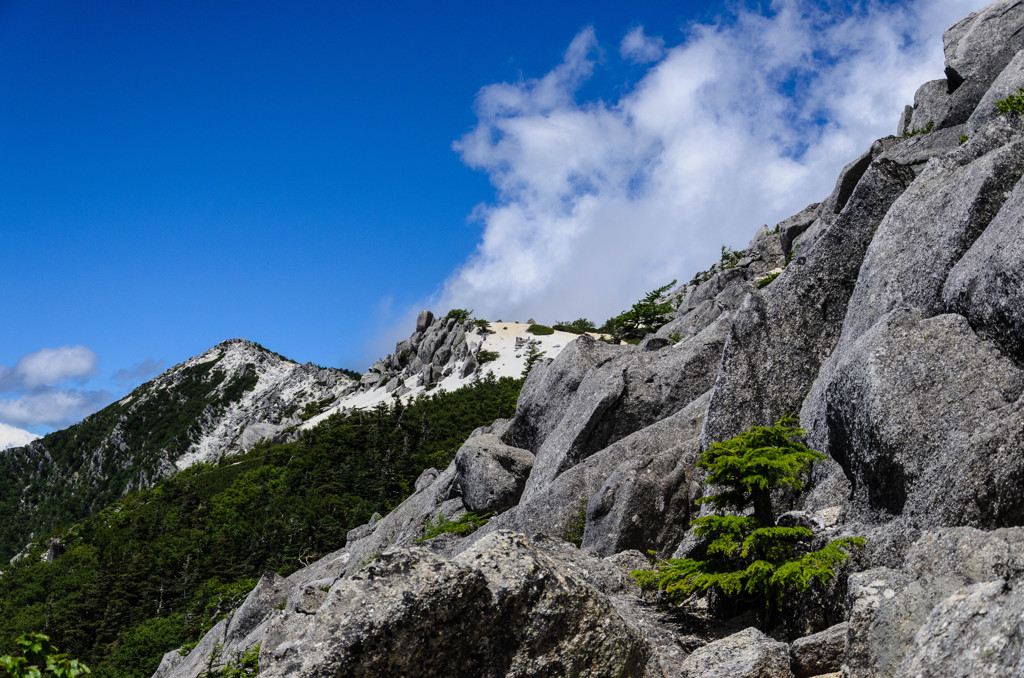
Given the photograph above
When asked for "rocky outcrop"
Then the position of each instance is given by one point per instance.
(490, 475)
(747, 654)
(895, 327)
(506, 607)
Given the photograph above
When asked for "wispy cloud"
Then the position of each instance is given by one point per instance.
(744, 122)
(44, 388)
(641, 48)
(51, 407)
(47, 367)
(138, 372)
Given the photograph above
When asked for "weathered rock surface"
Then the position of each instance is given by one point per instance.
(504, 608)
(888, 607)
(747, 654)
(987, 284)
(975, 632)
(781, 336)
(925, 419)
(819, 653)
(491, 475)
(978, 48)
(620, 396)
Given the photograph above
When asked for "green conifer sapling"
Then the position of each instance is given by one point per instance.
(749, 553)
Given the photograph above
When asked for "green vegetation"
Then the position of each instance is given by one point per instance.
(40, 658)
(540, 330)
(153, 571)
(482, 325)
(88, 467)
(645, 317)
(574, 530)
(242, 665)
(1011, 104)
(460, 315)
(750, 553)
(484, 356)
(920, 130)
(467, 523)
(578, 326)
(765, 281)
(730, 257)
(533, 356)
(963, 139)
(351, 373)
(675, 337)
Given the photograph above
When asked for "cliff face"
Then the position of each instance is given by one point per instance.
(895, 329)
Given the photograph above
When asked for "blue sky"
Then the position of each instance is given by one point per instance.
(308, 175)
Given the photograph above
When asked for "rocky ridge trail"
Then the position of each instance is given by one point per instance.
(894, 329)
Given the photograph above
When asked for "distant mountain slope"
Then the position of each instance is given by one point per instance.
(220, 402)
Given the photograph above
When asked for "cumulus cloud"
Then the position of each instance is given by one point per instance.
(55, 408)
(640, 48)
(48, 367)
(138, 372)
(745, 122)
(11, 436)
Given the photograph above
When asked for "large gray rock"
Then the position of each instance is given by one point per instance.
(491, 475)
(547, 394)
(622, 395)
(925, 419)
(560, 504)
(928, 229)
(646, 503)
(987, 284)
(747, 654)
(781, 335)
(975, 632)
(931, 104)
(978, 48)
(888, 607)
(790, 229)
(504, 608)
(404, 525)
(819, 653)
(1009, 81)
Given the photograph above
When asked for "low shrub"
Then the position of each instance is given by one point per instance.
(540, 330)
(467, 523)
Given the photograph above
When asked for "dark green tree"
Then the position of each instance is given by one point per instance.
(644, 317)
(750, 553)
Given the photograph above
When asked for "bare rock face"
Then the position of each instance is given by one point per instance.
(974, 632)
(780, 337)
(987, 284)
(504, 608)
(491, 475)
(925, 419)
(622, 395)
(819, 653)
(977, 49)
(747, 654)
(888, 607)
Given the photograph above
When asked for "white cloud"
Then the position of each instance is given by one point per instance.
(14, 437)
(52, 407)
(49, 366)
(640, 48)
(744, 123)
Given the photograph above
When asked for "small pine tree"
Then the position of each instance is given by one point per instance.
(750, 553)
(533, 356)
(645, 316)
